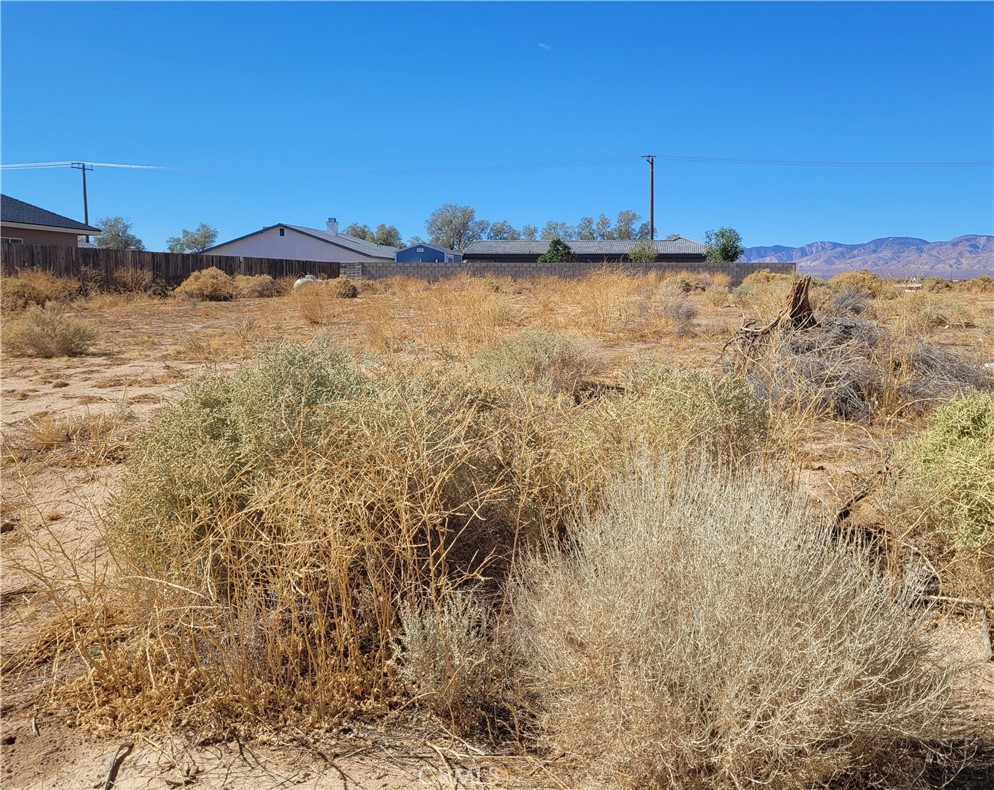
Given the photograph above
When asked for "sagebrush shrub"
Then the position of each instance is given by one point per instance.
(211, 285)
(442, 653)
(47, 332)
(703, 630)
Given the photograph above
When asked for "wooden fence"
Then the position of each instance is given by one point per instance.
(170, 268)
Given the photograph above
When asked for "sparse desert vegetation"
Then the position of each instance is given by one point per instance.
(560, 522)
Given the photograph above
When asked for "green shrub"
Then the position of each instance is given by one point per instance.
(944, 474)
(211, 285)
(703, 630)
(47, 332)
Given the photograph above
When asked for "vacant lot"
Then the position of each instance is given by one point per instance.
(537, 533)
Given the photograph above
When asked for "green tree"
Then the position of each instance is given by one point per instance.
(455, 227)
(115, 234)
(357, 231)
(643, 251)
(388, 236)
(529, 232)
(502, 231)
(585, 230)
(559, 251)
(723, 245)
(557, 230)
(193, 241)
(624, 225)
(602, 230)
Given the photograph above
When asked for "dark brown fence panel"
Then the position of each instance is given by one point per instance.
(170, 268)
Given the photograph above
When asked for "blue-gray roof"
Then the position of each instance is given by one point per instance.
(351, 242)
(14, 210)
(677, 246)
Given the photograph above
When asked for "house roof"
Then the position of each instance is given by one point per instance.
(350, 242)
(14, 210)
(340, 239)
(669, 246)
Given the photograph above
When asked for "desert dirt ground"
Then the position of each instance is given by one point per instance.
(67, 426)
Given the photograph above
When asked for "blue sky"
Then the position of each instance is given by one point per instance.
(294, 112)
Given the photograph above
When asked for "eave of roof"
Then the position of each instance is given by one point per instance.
(18, 213)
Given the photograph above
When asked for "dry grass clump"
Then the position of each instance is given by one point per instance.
(211, 285)
(36, 287)
(703, 630)
(457, 315)
(135, 280)
(47, 332)
(70, 442)
(981, 284)
(256, 287)
(535, 360)
(860, 280)
(681, 315)
(853, 369)
(922, 312)
(343, 288)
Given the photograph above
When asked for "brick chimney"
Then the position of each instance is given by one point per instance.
(332, 225)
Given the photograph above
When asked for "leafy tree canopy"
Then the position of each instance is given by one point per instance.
(502, 231)
(557, 230)
(723, 245)
(193, 241)
(455, 227)
(116, 235)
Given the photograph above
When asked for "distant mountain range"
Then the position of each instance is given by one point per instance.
(895, 256)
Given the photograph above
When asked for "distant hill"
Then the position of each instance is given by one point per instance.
(895, 256)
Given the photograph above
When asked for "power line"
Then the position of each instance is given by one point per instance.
(43, 165)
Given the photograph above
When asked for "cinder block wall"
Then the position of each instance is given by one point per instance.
(517, 271)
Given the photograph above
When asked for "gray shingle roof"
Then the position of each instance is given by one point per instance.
(678, 246)
(350, 242)
(14, 210)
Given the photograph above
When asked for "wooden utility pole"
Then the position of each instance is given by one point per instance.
(651, 158)
(86, 209)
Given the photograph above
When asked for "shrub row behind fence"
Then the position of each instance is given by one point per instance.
(170, 268)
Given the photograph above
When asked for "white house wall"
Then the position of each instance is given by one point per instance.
(293, 246)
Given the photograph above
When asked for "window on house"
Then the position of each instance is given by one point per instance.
(283, 231)
(11, 240)
(421, 249)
